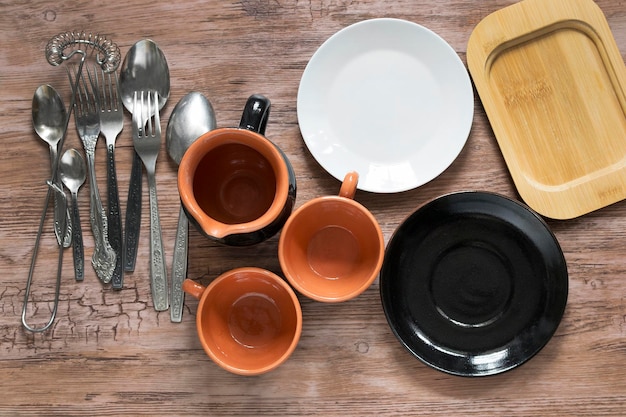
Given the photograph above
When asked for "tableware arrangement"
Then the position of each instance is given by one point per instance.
(237, 187)
(420, 104)
(331, 248)
(474, 283)
(99, 110)
(192, 116)
(144, 69)
(60, 49)
(73, 172)
(249, 320)
(109, 97)
(543, 71)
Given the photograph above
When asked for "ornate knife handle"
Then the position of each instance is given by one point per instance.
(115, 223)
(77, 242)
(133, 215)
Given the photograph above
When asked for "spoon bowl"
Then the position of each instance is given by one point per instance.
(49, 115)
(144, 69)
(192, 117)
(72, 170)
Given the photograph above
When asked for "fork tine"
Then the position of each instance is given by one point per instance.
(82, 88)
(81, 101)
(98, 90)
(74, 85)
(91, 95)
(137, 113)
(108, 85)
(150, 126)
(157, 118)
(69, 75)
(106, 90)
(117, 101)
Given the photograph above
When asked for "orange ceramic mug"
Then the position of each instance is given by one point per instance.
(249, 320)
(331, 249)
(236, 186)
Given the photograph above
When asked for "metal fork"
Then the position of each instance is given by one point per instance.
(111, 125)
(87, 119)
(147, 142)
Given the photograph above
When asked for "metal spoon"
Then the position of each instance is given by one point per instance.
(73, 172)
(192, 117)
(49, 120)
(144, 69)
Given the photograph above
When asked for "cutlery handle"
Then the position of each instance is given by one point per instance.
(64, 237)
(179, 267)
(115, 223)
(31, 271)
(158, 272)
(133, 214)
(103, 258)
(77, 242)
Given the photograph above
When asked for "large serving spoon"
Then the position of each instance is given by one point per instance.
(192, 116)
(73, 172)
(144, 69)
(49, 121)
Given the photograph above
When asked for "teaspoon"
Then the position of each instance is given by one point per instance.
(73, 172)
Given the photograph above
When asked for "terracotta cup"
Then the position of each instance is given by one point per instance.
(331, 249)
(236, 186)
(249, 320)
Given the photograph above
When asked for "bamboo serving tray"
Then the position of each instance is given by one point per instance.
(553, 84)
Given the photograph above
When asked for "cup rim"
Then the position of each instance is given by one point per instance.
(296, 337)
(305, 290)
(211, 140)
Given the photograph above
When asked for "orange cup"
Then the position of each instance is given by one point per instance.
(236, 186)
(331, 249)
(249, 320)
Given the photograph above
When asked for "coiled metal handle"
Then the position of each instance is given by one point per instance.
(61, 47)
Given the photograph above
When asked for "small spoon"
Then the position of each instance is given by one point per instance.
(73, 172)
(192, 116)
(49, 120)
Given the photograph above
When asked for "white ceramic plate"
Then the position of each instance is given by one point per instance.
(389, 99)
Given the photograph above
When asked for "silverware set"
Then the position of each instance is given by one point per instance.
(97, 101)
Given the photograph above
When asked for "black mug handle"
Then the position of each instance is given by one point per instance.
(255, 114)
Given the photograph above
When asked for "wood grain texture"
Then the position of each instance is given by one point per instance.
(110, 353)
(566, 156)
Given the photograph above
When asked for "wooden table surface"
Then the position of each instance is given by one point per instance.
(110, 353)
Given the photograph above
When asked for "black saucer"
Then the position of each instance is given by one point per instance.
(474, 283)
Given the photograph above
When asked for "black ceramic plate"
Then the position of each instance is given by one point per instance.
(474, 283)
